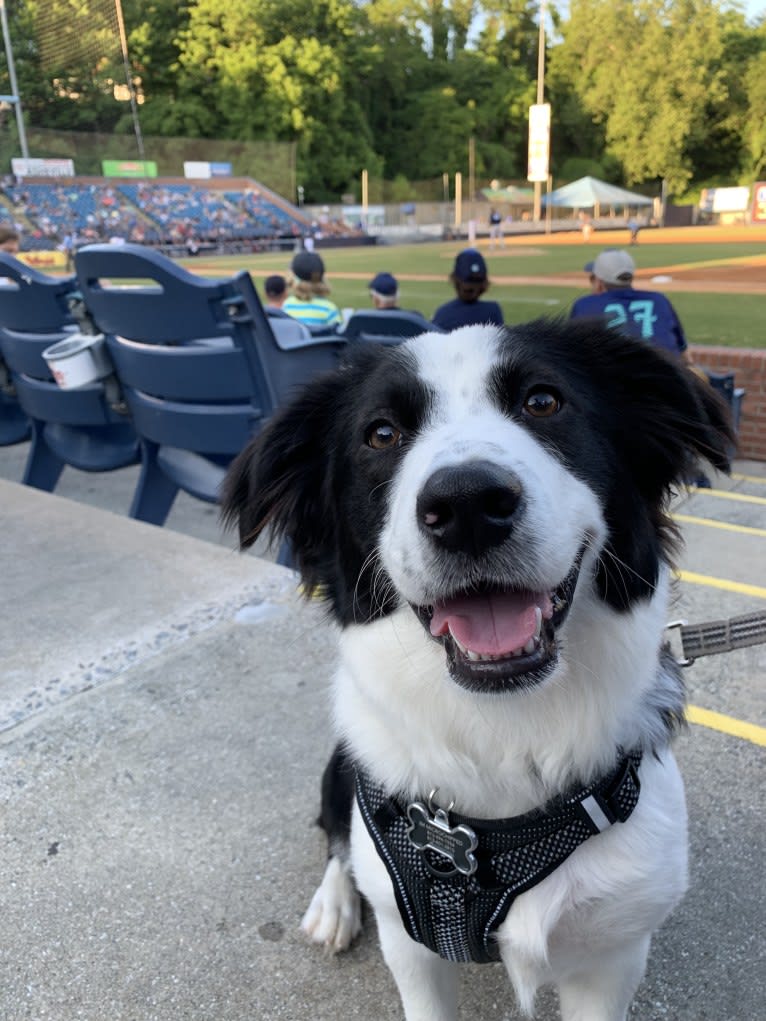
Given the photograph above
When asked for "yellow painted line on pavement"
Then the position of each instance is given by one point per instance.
(726, 526)
(723, 583)
(748, 478)
(726, 724)
(729, 494)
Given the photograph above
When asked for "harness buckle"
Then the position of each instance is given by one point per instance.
(603, 809)
(679, 625)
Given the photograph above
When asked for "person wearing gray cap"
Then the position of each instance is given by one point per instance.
(646, 315)
(309, 302)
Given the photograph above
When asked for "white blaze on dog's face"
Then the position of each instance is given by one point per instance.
(487, 530)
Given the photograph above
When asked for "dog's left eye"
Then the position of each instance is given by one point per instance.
(542, 403)
(383, 436)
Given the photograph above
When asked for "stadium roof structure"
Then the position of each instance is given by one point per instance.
(589, 192)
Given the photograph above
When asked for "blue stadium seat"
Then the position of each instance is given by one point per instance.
(723, 383)
(15, 427)
(79, 427)
(387, 326)
(199, 366)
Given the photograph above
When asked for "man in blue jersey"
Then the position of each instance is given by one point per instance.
(646, 315)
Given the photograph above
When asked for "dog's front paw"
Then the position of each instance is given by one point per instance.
(334, 916)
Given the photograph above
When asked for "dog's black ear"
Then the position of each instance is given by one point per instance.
(720, 441)
(281, 480)
(696, 425)
(674, 418)
(663, 419)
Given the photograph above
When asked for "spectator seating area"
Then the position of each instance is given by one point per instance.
(153, 212)
(91, 211)
(179, 371)
(78, 427)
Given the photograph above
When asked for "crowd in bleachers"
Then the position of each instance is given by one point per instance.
(147, 212)
(93, 212)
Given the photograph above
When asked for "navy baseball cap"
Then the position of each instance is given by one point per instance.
(308, 266)
(385, 284)
(470, 265)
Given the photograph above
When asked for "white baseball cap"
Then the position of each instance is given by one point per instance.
(614, 266)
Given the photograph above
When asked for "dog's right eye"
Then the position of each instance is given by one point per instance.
(383, 436)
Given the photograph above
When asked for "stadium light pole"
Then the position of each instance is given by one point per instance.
(14, 98)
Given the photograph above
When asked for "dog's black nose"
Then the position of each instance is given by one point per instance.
(469, 507)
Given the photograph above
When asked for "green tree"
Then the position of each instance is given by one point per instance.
(258, 69)
(639, 88)
(67, 57)
(755, 121)
(154, 30)
(648, 71)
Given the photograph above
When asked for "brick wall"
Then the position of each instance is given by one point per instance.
(749, 368)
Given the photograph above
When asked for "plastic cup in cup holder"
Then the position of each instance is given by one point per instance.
(78, 360)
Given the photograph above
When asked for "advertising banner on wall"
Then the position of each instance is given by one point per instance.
(42, 168)
(539, 142)
(373, 216)
(46, 259)
(202, 170)
(725, 200)
(128, 168)
(758, 213)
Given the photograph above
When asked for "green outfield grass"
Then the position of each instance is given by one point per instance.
(734, 320)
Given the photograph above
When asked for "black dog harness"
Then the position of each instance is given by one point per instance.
(455, 878)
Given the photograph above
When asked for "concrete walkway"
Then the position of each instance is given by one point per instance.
(163, 724)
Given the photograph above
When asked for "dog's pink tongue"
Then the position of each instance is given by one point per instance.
(491, 624)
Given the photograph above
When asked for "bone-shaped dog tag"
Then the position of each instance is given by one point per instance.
(434, 831)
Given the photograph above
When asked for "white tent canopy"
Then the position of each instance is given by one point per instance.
(590, 193)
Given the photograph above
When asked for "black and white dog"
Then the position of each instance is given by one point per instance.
(485, 513)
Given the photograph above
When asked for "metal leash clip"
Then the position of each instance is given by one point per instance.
(678, 624)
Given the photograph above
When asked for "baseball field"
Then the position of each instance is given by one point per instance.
(715, 276)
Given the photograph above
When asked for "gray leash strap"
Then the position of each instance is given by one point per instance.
(719, 635)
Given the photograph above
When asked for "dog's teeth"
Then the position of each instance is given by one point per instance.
(531, 645)
(473, 656)
(538, 622)
(458, 643)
